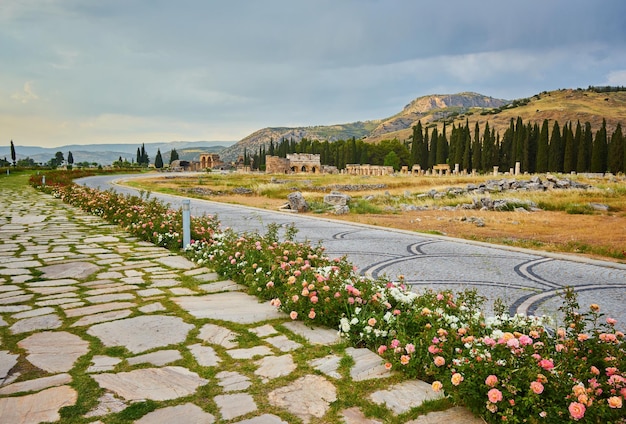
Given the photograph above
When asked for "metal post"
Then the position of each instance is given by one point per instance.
(186, 223)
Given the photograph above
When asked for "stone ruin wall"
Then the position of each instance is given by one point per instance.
(374, 170)
(294, 163)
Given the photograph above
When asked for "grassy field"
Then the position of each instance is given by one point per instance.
(565, 223)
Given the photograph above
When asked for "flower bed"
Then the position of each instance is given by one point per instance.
(503, 368)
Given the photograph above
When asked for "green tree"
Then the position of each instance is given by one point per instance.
(432, 153)
(158, 160)
(569, 149)
(476, 160)
(599, 150)
(70, 158)
(392, 159)
(616, 151)
(555, 149)
(442, 147)
(26, 162)
(173, 156)
(542, 148)
(13, 153)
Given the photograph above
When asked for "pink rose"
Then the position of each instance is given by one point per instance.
(546, 364)
(494, 395)
(437, 386)
(615, 402)
(293, 315)
(456, 379)
(536, 387)
(439, 361)
(491, 380)
(577, 410)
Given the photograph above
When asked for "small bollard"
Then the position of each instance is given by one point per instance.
(186, 223)
(43, 180)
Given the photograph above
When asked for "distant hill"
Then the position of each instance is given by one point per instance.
(105, 154)
(433, 110)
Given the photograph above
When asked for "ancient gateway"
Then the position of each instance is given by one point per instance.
(294, 163)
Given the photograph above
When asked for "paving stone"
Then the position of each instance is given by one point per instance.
(151, 383)
(16, 299)
(222, 286)
(235, 405)
(3, 323)
(250, 352)
(91, 251)
(38, 407)
(182, 291)
(53, 283)
(14, 271)
(111, 288)
(165, 282)
(207, 276)
(21, 264)
(328, 365)
(264, 330)
(54, 351)
(21, 278)
(133, 280)
(367, 365)
(234, 307)
(102, 363)
(177, 262)
(103, 298)
(77, 270)
(314, 335)
(307, 397)
(101, 239)
(232, 381)
(7, 362)
(150, 292)
(95, 309)
(283, 343)
(198, 271)
(13, 308)
(27, 219)
(8, 287)
(456, 415)
(74, 305)
(158, 358)
(355, 416)
(107, 404)
(192, 414)
(204, 355)
(215, 334)
(33, 313)
(36, 384)
(43, 322)
(133, 273)
(272, 367)
(142, 333)
(51, 291)
(402, 397)
(152, 307)
(110, 275)
(263, 419)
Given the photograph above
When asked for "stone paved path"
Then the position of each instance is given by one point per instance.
(94, 324)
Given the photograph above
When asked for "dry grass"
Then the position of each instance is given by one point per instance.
(566, 223)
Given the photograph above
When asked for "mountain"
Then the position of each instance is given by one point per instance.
(106, 154)
(425, 108)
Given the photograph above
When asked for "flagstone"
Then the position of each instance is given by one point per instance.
(14, 293)
(314, 335)
(204, 355)
(71, 305)
(109, 275)
(142, 333)
(232, 306)
(36, 384)
(101, 239)
(355, 416)
(207, 276)
(95, 309)
(47, 291)
(367, 365)
(8, 287)
(151, 383)
(152, 307)
(307, 397)
(272, 367)
(14, 308)
(103, 298)
(182, 291)
(28, 219)
(54, 351)
(133, 280)
(283, 343)
(110, 288)
(77, 270)
(102, 317)
(150, 292)
(166, 282)
(53, 283)
(21, 264)
(456, 415)
(232, 381)
(328, 365)
(16, 299)
(92, 250)
(14, 271)
(193, 415)
(222, 286)
(43, 322)
(235, 405)
(38, 407)
(158, 358)
(249, 353)
(263, 419)
(100, 363)
(33, 313)
(404, 396)
(177, 262)
(7, 362)
(215, 334)
(133, 273)
(107, 404)
(264, 330)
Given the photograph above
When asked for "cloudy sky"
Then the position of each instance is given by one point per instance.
(128, 71)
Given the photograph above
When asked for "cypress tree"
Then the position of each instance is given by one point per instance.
(542, 148)
(271, 149)
(616, 151)
(70, 158)
(173, 156)
(486, 158)
(432, 153)
(467, 148)
(13, 156)
(442, 147)
(158, 160)
(569, 150)
(138, 156)
(581, 154)
(476, 149)
(599, 150)
(555, 150)
(416, 144)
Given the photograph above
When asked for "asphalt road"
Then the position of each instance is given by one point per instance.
(528, 281)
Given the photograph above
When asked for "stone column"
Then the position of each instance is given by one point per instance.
(518, 168)
(495, 171)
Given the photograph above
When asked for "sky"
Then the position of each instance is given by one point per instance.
(129, 71)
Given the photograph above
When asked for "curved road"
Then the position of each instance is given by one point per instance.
(529, 281)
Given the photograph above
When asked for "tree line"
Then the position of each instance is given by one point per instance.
(569, 147)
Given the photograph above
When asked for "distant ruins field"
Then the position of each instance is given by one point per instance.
(583, 215)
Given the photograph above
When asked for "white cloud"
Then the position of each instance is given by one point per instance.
(617, 77)
(27, 94)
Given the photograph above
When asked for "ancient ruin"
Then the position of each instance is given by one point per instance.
(294, 163)
(373, 170)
